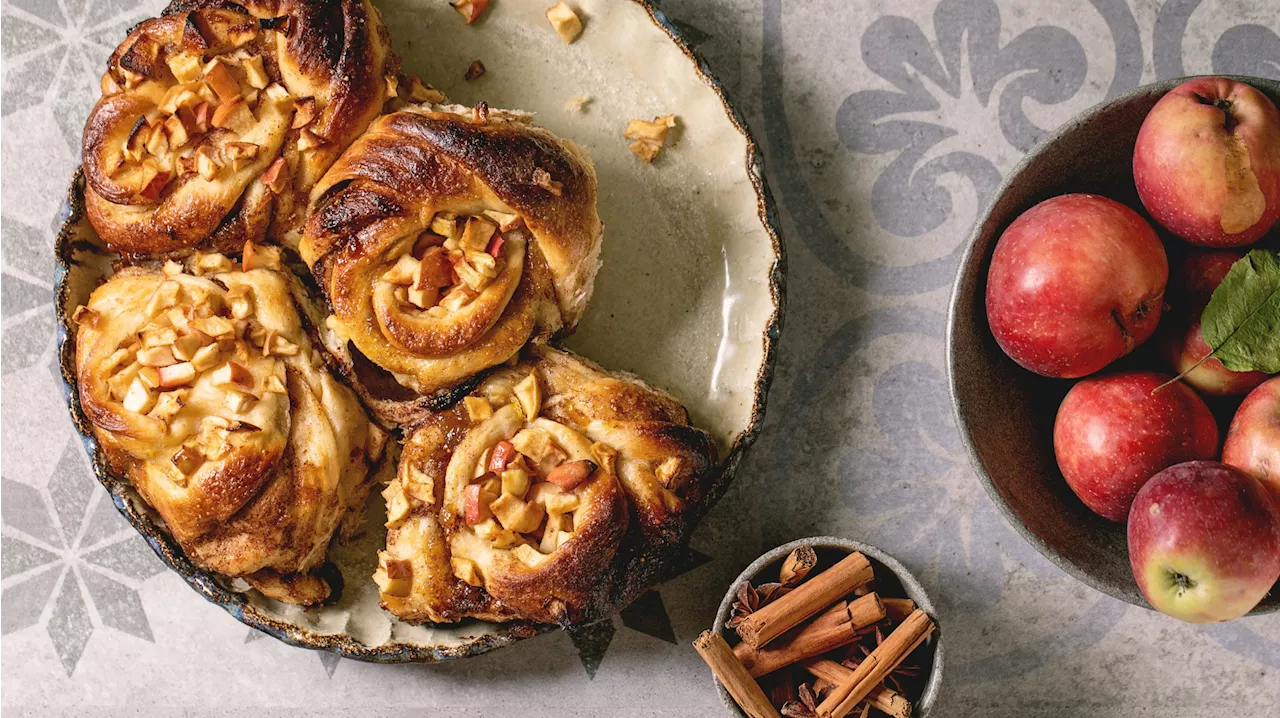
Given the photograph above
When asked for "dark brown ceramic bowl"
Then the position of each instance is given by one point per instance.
(1005, 413)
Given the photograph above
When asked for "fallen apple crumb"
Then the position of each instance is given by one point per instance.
(565, 21)
(476, 70)
(649, 137)
(577, 105)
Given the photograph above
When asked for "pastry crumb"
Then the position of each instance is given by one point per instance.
(470, 10)
(475, 71)
(577, 105)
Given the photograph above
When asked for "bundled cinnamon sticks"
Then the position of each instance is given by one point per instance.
(846, 638)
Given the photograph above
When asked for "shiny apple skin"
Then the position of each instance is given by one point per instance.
(1075, 283)
(1191, 285)
(1253, 441)
(1204, 542)
(1115, 431)
(1207, 162)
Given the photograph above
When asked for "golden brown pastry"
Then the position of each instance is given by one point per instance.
(205, 391)
(445, 241)
(554, 493)
(216, 119)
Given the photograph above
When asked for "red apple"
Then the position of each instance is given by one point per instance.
(1191, 285)
(1114, 432)
(1075, 283)
(1207, 162)
(1253, 441)
(1204, 542)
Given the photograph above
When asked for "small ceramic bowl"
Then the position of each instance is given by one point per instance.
(891, 579)
(1004, 412)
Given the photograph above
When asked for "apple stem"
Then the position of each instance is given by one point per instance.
(1190, 369)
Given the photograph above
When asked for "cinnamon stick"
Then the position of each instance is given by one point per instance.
(807, 599)
(881, 697)
(898, 608)
(797, 566)
(877, 666)
(837, 627)
(733, 675)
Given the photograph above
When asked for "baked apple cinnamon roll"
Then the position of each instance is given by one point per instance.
(554, 492)
(205, 391)
(217, 118)
(446, 239)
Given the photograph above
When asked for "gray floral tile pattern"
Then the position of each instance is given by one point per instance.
(886, 126)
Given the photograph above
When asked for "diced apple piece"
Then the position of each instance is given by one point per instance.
(422, 298)
(138, 399)
(559, 503)
(176, 375)
(419, 92)
(241, 153)
(434, 270)
(158, 143)
(276, 93)
(648, 137)
(234, 115)
(565, 21)
(205, 358)
(215, 327)
(168, 405)
(188, 460)
(150, 376)
(254, 72)
(238, 402)
(156, 356)
(185, 68)
(467, 571)
(529, 395)
(232, 375)
(206, 164)
(570, 475)
(274, 385)
(308, 140)
(515, 514)
(159, 336)
(398, 506)
(529, 555)
(201, 113)
(515, 482)
(503, 453)
(153, 182)
(478, 408)
(444, 224)
(275, 177)
(470, 10)
(476, 234)
(304, 112)
(394, 576)
(474, 509)
(276, 345)
(220, 79)
(505, 220)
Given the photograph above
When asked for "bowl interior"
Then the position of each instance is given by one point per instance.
(1006, 413)
(891, 579)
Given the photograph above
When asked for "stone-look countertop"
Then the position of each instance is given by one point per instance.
(886, 125)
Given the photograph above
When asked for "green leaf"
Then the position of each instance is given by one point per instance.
(1242, 320)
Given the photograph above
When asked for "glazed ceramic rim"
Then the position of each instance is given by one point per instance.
(969, 257)
(124, 497)
(915, 591)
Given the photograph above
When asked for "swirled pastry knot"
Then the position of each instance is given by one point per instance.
(204, 390)
(447, 240)
(217, 118)
(555, 492)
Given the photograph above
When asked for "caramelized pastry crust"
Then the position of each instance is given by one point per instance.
(447, 240)
(205, 391)
(554, 493)
(217, 119)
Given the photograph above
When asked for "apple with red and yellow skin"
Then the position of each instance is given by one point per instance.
(1075, 283)
(1207, 162)
(1191, 285)
(1204, 541)
(1253, 441)
(1115, 431)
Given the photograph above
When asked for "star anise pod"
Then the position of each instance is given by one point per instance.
(751, 599)
(796, 709)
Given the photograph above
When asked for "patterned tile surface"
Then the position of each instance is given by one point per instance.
(886, 126)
